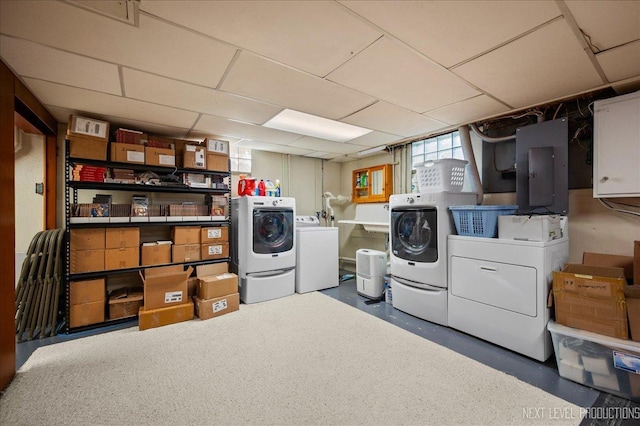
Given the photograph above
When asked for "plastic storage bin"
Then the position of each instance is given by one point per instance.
(446, 174)
(602, 362)
(479, 221)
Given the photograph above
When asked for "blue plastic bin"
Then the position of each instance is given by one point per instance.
(479, 221)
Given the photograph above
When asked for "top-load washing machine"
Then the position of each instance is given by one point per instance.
(316, 255)
(419, 226)
(264, 256)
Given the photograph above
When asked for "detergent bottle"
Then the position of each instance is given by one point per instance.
(262, 188)
(277, 187)
(270, 188)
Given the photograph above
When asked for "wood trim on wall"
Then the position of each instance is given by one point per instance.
(51, 183)
(7, 229)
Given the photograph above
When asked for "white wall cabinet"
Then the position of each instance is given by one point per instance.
(616, 165)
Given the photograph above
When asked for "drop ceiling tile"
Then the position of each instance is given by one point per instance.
(155, 46)
(265, 146)
(544, 65)
(197, 134)
(316, 144)
(221, 126)
(165, 91)
(375, 138)
(34, 60)
(621, 62)
(392, 119)
(607, 23)
(314, 36)
(323, 155)
(452, 31)
(270, 82)
(469, 110)
(116, 106)
(392, 72)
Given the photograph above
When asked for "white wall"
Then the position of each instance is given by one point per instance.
(29, 206)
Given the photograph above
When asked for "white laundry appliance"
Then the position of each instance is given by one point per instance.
(264, 253)
(498, 290)
(316, 255)
(419, 226)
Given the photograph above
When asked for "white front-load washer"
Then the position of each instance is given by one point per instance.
(264, 255)
(316, 255)
(419, 226)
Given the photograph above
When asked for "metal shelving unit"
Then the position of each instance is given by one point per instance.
(71, 197)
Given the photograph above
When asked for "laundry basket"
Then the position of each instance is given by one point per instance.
(479, 221)
(446, 174)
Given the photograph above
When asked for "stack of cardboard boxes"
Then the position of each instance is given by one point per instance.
(597, 322)
(165, 296)
(186, 243)
(217, 291)
(215, 242)
(86, 302)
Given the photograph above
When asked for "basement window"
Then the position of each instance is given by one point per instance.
(437, 147)
(240, 158)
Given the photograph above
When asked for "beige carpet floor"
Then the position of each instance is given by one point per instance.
(301, 360)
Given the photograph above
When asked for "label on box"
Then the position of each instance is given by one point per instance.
(214, 249)
(214, 233)
(626, 362)
(87, 126)
(220, 305)
(173, 296)
(167, 160)
(135, 156)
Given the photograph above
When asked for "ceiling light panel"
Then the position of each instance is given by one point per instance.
(451, 31)
(547, 64)
(154, 46)
(165, 91)
(116, 106)
(314, 36)
(312, 125)
(394, 73)
(392, 119)
(221, 126)
(267, 81)
(37, 61)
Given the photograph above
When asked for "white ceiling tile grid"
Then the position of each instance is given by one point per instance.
(405, 70)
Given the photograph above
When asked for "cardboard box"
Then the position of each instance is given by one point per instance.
(86, 261)
(165, 286)
(217, 146)
(88, 239)
(86, 313)
(186, 253)
(152, 318)
(194, 157)
(88, 128)
(87, 291)
(127, 153)
(216, 234)
(206, 309)
(122, 238)
(126, 306)
(159, 156)
(591, 298)
(185, 235)
(610, 260)
(217, 162)
(121, 258)
(632, 297)
(89, 148)
(214, 251)
(214, 281)
(636, 262)
(157, 253)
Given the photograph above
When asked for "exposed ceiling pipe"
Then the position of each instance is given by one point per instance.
(486, 138)
(467, 150)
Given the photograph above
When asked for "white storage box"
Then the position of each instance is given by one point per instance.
(602, 362)
(529, 228)
(446, 174)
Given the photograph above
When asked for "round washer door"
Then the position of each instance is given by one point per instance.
(272, 231)
(414, 234)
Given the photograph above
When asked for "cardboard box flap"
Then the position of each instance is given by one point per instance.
(589, 271)
(610, 260)
(133, 297)
(211, 269)
(164, 270)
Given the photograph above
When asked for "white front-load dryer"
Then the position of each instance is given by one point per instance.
(419, 226)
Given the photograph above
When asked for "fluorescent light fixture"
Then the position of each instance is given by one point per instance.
(374, 150)
(312, 125)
